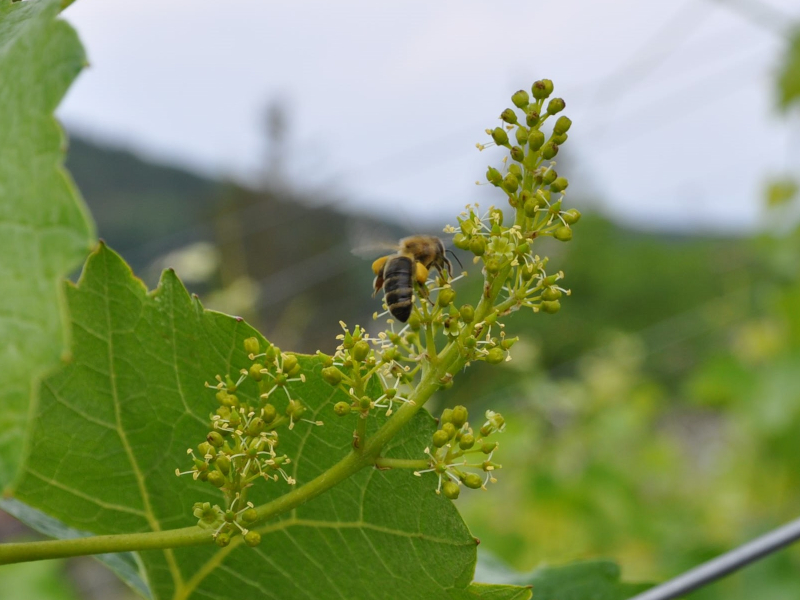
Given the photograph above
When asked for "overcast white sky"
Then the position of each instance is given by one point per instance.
(672, 102)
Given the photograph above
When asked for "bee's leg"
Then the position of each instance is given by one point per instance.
(421, 273)
(421, 277)
(378, 265)
(377, 284)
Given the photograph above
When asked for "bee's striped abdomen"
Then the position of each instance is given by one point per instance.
(398, 287)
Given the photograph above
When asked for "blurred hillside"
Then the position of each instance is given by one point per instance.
(284, 262)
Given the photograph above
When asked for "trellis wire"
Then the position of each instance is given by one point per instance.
(722, 565)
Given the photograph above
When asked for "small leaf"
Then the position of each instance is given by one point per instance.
(113, 425)
(586, 580)
(44, 230)
(789, 77)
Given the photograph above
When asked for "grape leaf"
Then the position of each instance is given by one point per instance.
(113, 425)
(44, 229)
(789, 77)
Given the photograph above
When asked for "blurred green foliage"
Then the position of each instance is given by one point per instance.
(662, 473)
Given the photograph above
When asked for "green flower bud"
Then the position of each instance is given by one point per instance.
(451, 489)
(342, 409)
(324, 359)
(332, 375)
(461, 241)
(477, 245)
(365, 403)
(447, 416)
(222, 539)
(440, 438)
(509, 116)
(542, 89)
(467, 441)
(348, 342)
(551, 293)
(551, 307)
(450, 430)
(271, 353)
(560, 139)
(562, 125)
(361, 350)
(446, 297)
(249, 516)
(530, 207)
(500, 136)
(215, 439)
(414, 322)
(295, 409)
(496, 214)
(489, 447)
(495, 356)
(532, 117)
(460, 415)
(252, 538)
(543, 198)
(491, 319)
(559, 185)
(467, 313)
(492, 266)
(255, 372)
(549, 176)
(520, 99)
(251, 345)
(510, 183)
(216, 479)
(256, 426)
(528, 271)
(269, 413)
(563, 234)
(535, 140)
(289, 363)
(522, 135)
(494, 177)
(549, 150)
(507, 343)
(517, 154)
(571, 216)
(223, 463)
(556, 105)
(472, 480)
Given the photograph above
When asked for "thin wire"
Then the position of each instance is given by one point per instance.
(723, 565)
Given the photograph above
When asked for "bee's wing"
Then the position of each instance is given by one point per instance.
(369, 240)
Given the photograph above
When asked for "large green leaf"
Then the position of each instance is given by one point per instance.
(789, 77)
(44, 231)
(113, 425)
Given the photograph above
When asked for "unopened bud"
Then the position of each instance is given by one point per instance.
(535, 140)
(342, 409)
(563, 234)
(559, 185)
(562, 125)
(332, 375)
(251, 345)
(549, 150)
(571, 216)
(556, 105)
(520, 99)
(495, 356)
(551, 307)
(493, 176)
(509, 116)
(500, 136)
(451, 489)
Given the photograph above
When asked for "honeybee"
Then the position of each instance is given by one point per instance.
(396, 273)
